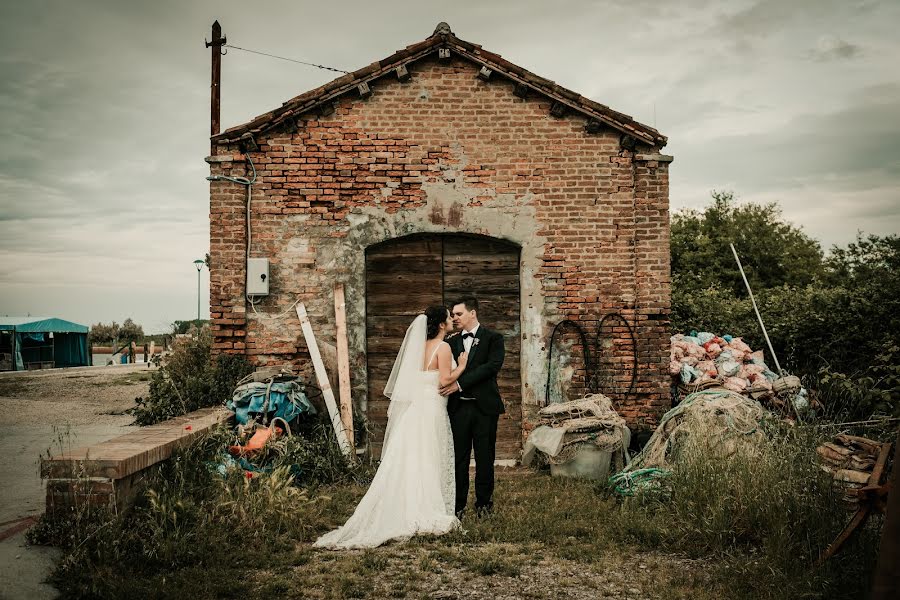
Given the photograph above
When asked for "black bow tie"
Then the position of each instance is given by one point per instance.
(468, 335)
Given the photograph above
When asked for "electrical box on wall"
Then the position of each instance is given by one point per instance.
(257, 276)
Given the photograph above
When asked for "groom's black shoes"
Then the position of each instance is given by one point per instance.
(480, 512)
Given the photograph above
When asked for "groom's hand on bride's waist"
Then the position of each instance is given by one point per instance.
(449, 389)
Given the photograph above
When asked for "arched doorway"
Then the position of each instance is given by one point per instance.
(407, 274)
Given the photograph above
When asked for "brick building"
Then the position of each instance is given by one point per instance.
(440, 170)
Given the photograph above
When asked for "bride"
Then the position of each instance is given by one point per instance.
(413, 490)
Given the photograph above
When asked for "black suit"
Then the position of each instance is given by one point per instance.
(474, 421)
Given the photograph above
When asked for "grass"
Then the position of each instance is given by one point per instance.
(743, 526)
(133, 378)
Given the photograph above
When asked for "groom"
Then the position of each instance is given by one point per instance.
(474, 404)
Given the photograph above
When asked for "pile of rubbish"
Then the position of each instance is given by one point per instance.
(267, 405)
(580, 438)
(704, 357)
(705, 360)
(851, 461)
(265, 395)
(720, 419)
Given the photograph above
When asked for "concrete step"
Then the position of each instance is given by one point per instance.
(108, 473)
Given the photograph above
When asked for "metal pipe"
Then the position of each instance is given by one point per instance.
(758, 316)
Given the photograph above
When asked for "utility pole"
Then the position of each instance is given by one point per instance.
(215, 92)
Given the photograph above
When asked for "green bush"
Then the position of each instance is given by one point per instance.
(808, 327)
(841, 340)
(189, 380)
(837, 312)
(871, 393)
(772, 251)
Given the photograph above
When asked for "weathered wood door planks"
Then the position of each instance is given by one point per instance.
(406, 275)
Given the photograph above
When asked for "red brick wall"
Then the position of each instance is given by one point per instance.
(446, 151)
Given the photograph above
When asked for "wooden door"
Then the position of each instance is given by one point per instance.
(406, 275)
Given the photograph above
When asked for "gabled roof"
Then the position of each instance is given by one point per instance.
(443, 37)
(40, 325)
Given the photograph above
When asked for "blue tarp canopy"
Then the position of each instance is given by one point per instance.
(40, 325)
(31, 343)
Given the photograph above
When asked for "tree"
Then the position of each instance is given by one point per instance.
(182, 327)
(101, 333)
(130, 331)
(868, 258)
(772, 251)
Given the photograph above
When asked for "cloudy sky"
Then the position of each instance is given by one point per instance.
(104, 112)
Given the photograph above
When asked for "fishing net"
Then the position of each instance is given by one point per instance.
(565, 426)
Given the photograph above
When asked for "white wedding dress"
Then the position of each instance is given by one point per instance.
(413, 491)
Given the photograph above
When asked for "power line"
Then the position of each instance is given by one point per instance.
(309, 64)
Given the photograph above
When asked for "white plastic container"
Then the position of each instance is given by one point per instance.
(589, 462)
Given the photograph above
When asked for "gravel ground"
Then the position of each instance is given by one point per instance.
(41, 411)
(74, 397)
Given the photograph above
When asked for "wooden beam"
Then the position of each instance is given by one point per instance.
(886, 583)
(402, 73)
(558, 110)
(593, 126)
(215, 86)
(322, 377)
(343, 361)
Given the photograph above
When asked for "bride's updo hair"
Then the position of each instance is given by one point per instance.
(436, 315)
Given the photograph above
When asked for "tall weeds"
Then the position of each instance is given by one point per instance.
(190, 517)
(766, 510)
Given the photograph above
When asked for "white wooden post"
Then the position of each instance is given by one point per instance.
(343, 360)
(322, 377)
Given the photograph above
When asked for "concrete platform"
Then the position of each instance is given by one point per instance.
(107, 473)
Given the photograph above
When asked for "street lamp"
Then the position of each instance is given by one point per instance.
(199, 264)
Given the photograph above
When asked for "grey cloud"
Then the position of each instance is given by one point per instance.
(861, 138)
(830, 47)
(104, 108)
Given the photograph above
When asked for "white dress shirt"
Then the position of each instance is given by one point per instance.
(467, 345)
(467, 342)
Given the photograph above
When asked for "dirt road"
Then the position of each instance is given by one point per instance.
(43, 411)
(82, 396)
(53, 409)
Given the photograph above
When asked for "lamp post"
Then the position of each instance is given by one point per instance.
(199, 264)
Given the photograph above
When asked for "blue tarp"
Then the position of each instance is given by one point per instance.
(285, 399)
(40, 325)
(69, 346)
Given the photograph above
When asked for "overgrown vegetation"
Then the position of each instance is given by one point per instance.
(193, 522)
(189, 379)
(758, 520)
(765, 513)
(830, 318)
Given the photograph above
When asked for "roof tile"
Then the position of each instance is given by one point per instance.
(466, 50)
